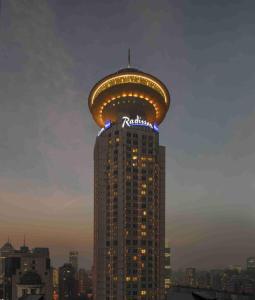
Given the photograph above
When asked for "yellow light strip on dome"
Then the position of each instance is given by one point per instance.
(108, 101)
(129, 78)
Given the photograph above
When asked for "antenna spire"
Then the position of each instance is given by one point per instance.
(129, 59)
(24, 240)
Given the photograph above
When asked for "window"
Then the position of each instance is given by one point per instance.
(24, 292)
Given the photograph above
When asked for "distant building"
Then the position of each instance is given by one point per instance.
(190, 277)
(82, 279)
(25, 272)
(251, 263)
(1, 277)
(236, 268)
(55, 282)
(73, 259)
(67, 283)
(203, 279)
(89, 287)
(55, 277)
(168, 270)
(7, 249)
(249, 286)
(216, 279)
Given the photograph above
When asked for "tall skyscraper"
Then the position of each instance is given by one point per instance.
(73, 259)
(129, 186)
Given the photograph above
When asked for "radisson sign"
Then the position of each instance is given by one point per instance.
(138, 121)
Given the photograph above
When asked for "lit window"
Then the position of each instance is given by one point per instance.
(143, 292)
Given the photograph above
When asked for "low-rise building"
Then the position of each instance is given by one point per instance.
(25, 272)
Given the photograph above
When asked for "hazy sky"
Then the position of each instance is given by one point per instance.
(51, 54)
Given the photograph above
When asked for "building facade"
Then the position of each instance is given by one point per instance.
(67, 282)
(250, 264)
(55, 283)
(168, 269)
(25, 272)
(190, 277)
(129, 186)
(73, 259)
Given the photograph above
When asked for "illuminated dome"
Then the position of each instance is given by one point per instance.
(129, 92)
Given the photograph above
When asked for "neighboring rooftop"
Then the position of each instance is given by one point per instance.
(7, 247)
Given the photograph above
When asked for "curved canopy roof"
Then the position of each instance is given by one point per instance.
(129, 90)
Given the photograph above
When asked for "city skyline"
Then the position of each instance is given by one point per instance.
(47, 135)
(246, 265)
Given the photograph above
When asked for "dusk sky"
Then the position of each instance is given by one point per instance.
(52, 53)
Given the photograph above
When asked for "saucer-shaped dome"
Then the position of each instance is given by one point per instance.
(129, 92)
